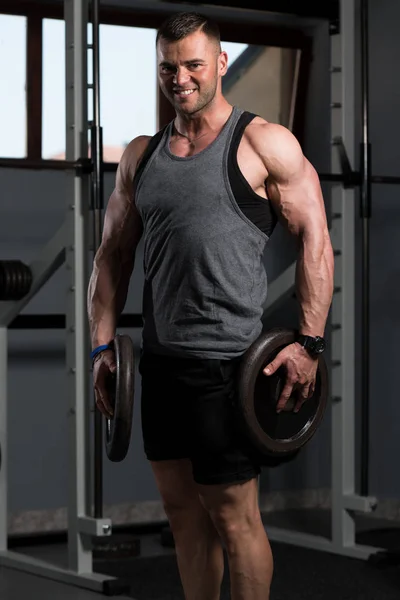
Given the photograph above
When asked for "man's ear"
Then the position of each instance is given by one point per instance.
(223, 63)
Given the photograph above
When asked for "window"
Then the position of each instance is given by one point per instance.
(263, 80)
(53, 116)
(128, 84)
(13, 82)
(128, 87)
(233, 50)
(269, 81)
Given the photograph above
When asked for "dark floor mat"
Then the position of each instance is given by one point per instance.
(300, 574)
(388, 538)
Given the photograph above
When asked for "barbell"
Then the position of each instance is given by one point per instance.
(274, 437)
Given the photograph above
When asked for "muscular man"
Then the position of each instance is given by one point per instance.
(206, 193)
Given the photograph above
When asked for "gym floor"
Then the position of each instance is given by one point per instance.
(299, 573)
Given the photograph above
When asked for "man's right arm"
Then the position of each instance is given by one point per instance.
(115, 258)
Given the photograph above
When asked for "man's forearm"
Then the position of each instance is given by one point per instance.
(314, 284)
(108, 289)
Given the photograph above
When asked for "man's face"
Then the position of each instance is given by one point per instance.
(189, 71)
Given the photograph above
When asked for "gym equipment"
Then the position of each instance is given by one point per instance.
(277, 437)
(122, 385)
(15, 279)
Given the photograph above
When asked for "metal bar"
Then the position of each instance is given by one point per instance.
(34, 93)
(315, 542)
(44, 164)
(300, 93)
(365, 200)
(77, 348)
(323, 10)
(95, 582)
(386, 179)
(3, 437)
(295, 89)
(65, 165)
(26, 322)
(48, 261)
(339, 177)
(95, 527)
(98, 204)
(356, 178)
(97, 147)
(360, 503)
(343, 304)
(57, 321)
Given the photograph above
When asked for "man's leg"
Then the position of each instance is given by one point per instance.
(197, 543)
(225, 470)
(235, 513)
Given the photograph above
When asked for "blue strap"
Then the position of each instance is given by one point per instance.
(99, 349)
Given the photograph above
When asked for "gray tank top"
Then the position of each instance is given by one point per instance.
(204, 278)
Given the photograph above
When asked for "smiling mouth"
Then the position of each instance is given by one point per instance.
(184, 93)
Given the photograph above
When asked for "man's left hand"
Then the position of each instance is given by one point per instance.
(301, 371)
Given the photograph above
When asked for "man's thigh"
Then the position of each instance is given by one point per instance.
(220, 452)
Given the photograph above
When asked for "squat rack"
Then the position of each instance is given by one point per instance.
(70, 246)
(345, 500)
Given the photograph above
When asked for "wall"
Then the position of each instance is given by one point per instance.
(384, 51)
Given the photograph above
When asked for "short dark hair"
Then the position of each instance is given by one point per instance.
(182, 24)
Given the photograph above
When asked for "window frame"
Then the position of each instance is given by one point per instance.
(36, 11)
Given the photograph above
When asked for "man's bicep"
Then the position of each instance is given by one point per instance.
(298, 200)
(123, 224)
(123, 227)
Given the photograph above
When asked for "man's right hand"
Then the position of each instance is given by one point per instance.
(104, 368)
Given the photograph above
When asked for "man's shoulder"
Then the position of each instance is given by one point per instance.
(132, 155)
(271, 139)
(260, 130)
(136, 146)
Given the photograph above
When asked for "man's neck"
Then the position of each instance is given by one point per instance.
(191, 126)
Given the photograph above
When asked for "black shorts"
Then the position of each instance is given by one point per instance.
(188, 413)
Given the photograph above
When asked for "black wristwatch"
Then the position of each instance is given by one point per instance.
(314, 345)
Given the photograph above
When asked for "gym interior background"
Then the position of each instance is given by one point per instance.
(266, 79)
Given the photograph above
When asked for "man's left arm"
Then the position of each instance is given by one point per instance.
(294, 190)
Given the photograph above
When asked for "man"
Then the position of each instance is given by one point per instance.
(206, 193)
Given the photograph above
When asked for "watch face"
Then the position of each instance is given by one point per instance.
(319, 346)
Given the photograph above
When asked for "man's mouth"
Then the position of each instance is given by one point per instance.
(184, 93)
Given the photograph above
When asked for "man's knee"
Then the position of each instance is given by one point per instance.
(233, 510)
(183, 513)
(178, 491)
(233, 525)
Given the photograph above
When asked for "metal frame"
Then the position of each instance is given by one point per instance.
(345, 501)
(70, 245)
(323, 10)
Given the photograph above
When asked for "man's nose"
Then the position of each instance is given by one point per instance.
(181, 77)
